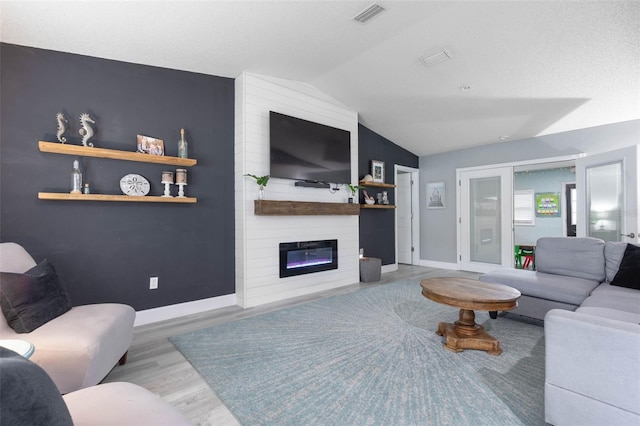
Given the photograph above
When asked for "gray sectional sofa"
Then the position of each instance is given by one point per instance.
(592, 330)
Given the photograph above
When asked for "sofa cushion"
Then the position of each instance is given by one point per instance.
(607, 288)
(28, 396)
(611, 301)
(574, 257)
(628, 274)
(34, 298)
(614, 314)
(560, 288)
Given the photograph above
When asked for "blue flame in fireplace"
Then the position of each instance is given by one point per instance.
(309, 257)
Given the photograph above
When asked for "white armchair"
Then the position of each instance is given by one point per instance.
(80, 347)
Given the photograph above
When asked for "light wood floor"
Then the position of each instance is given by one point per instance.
(155, 364)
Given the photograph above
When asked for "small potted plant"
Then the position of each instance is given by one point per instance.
(262, 182)
(353, 189)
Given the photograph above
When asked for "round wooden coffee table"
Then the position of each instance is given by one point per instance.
(469, 295)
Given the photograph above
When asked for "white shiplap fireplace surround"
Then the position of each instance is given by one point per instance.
(258, 237)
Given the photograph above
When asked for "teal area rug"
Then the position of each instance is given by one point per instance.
(369, 358)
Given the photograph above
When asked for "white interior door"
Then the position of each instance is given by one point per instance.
(485, 219)
(607, 185)
(404, 218)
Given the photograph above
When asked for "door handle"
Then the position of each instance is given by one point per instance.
(631, 235)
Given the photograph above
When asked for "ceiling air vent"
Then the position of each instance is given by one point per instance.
(368, 14)
(435, 58)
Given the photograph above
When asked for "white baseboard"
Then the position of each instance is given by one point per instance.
(389, 268)
(162, 313)
(437, 264)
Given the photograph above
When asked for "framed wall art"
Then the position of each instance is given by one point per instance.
(377, 170)
(435, 195)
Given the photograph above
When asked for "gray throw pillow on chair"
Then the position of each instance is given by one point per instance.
(34, 298)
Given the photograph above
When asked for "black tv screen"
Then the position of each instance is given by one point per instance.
(307, 151)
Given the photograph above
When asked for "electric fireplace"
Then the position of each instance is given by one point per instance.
(305, 257)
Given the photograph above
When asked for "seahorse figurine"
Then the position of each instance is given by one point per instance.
(61, 127)
(86, 131)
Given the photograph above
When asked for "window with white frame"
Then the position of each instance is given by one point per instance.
(524, 207)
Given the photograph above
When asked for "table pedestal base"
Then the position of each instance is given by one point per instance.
(466, 334)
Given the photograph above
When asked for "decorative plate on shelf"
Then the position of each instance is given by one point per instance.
(134, 184)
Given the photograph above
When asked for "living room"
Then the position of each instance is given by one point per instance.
(209, 255)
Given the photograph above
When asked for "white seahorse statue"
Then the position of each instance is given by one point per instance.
(61, 127)
(86, 131)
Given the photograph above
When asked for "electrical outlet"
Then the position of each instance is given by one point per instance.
(153, 283)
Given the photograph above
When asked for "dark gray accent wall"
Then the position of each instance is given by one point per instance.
(377, 227)
(106, 251)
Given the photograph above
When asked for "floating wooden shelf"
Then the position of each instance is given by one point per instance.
(303, 208)
(377, 206)
(114, 154)
(376, 184)
(105, 197)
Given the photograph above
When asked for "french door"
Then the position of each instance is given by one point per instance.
(485, 219)
(607, 206)
(607, 184)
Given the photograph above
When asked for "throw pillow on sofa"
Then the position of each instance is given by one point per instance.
(28, 396)
(34, 298)
(628, 274)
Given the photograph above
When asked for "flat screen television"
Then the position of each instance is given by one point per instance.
(307, 151)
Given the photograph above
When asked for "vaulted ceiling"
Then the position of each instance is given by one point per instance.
(516, 69)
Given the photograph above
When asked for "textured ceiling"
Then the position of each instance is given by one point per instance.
(533, 67)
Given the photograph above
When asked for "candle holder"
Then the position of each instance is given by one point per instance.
(181, 181)
(181, 190)
(167, 180)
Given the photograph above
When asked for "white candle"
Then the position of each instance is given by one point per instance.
(167, 177)
(181, 176)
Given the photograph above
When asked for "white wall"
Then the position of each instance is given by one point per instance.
(258, 237)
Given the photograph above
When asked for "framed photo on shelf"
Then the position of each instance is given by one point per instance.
(377, 170)
(435, 195)
(149, 145)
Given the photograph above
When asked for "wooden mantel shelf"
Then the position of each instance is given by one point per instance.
(114, 154)
(105, 197)
(303, 208)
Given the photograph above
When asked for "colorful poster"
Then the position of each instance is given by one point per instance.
(547, 204)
